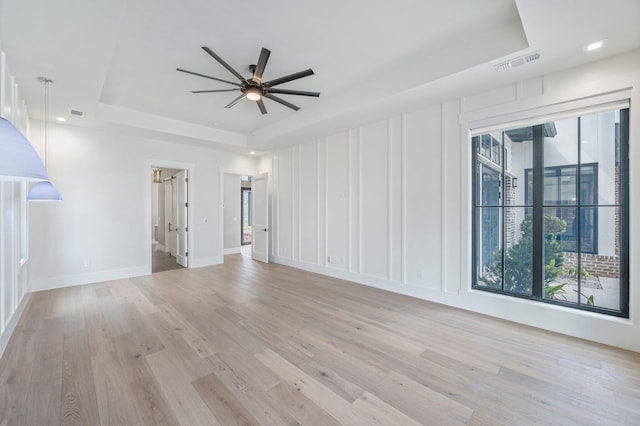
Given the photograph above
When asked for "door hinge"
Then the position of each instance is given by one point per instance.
(186, 253)
(186, 179)
(186, 229)
(186, 204)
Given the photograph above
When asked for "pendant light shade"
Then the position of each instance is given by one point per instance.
(18, 160)
(44, 191)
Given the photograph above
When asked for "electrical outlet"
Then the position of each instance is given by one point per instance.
(419, 273)
(329, 259)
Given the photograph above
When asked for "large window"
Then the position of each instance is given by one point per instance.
(561, 235)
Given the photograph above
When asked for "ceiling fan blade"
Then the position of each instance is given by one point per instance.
(207, 76)
(289, 77)
(281, 101)
(262, 63)
(223, 63)
(213, 91)
(263, 109)
(294, 92)
(235, 101)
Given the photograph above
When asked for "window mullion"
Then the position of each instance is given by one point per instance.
(537, 272)
(502, 215)
(579, 212)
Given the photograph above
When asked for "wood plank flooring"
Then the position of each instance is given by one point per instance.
(247, 343)
(162, 261)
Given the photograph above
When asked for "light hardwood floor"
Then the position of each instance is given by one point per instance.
(248, 343)
(162, 261)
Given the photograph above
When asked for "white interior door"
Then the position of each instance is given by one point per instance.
(169, 218)
(260, 218)
(182, 228)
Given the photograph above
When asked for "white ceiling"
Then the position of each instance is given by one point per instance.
(115, 59)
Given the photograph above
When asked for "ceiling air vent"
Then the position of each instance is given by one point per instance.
(76, 113)
(516, 62)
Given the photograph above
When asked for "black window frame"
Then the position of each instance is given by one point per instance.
(622, 145)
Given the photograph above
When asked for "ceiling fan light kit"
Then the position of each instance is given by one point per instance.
(254, 88)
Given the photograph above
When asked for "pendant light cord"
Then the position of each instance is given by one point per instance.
(46, 124)
(44, 95)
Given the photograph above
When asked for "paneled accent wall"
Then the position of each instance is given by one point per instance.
(374, 201)
(388, 203)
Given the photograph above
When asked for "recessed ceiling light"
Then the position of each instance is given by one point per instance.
(61, 119)
(252, 153)
(595, 45)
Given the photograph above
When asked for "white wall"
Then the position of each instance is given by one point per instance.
(232, 219)
(389, 202)
(102, 228)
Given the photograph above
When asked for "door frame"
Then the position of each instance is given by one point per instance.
(150, 164)
(222, 172)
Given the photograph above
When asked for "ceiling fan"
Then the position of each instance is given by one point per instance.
(254, 88)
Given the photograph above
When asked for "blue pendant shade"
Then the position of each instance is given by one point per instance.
(19, 162)
(44, 191)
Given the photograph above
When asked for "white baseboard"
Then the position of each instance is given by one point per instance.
(87, 278)
(206, 261)
(11, 326)
(232, 250)
(408, 289)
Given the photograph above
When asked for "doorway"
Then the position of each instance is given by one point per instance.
(245, 211)
(169, 213)
(243, 222)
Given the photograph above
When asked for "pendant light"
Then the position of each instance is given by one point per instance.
(45, 191)
(19, 162)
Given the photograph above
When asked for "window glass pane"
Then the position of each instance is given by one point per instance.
(517, 146)
(496, 151)
(519, 250)
(600, 272)
(567, 185)
(588, 184)
(489, 186)
(560, 162)
(529, 189)
(599, 134)
(560, 243)
(489, 247)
